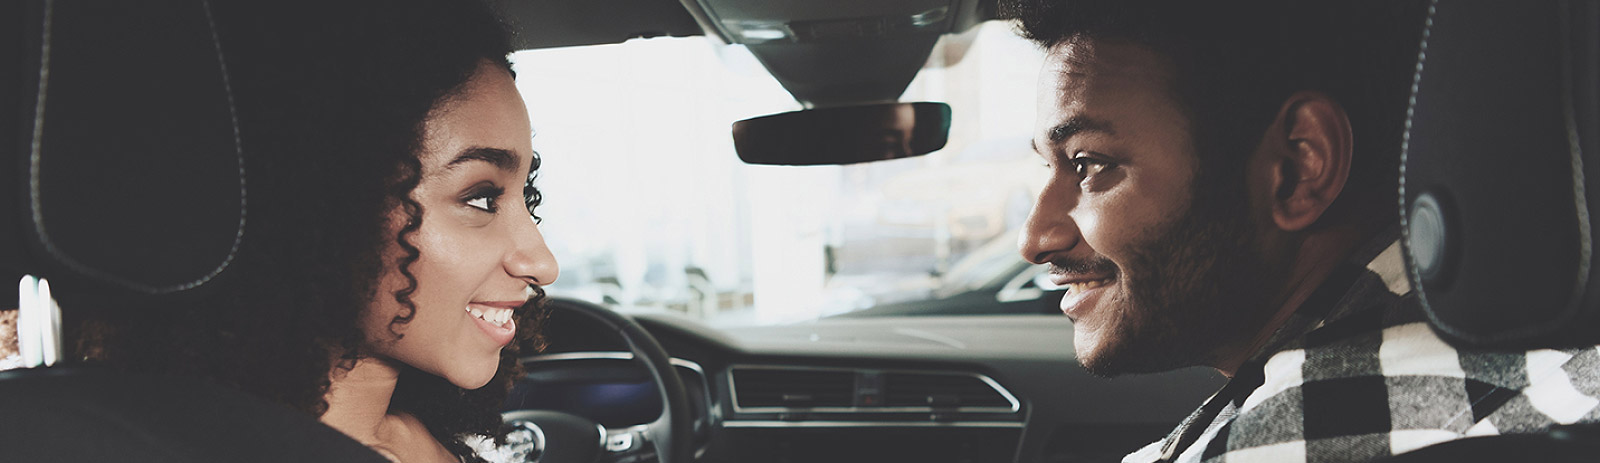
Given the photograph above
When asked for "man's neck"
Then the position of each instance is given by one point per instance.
(1314, 259)
(358, 399)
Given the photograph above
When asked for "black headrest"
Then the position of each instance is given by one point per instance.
(128, 169)
(1500, 178)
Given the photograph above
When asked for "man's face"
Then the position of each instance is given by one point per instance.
(1157, 278)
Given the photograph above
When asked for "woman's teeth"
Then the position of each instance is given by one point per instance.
(494, 315)
(1087, 285)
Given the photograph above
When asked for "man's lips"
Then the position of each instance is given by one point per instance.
(1082, 293)
(1084, 279)
(1080, 287)
(1077, 282)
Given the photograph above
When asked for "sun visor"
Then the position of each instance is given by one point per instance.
(1500, 179)
(131, 171)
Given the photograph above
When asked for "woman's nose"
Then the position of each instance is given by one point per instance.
(530, 259)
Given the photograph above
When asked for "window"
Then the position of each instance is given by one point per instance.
(647, 205)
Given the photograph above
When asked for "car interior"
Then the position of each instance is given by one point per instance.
(1497, 172)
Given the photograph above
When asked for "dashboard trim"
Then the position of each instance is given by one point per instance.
(733, 391)
(869, 424)
(615, 356)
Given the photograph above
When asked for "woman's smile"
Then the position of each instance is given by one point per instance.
(495, 319)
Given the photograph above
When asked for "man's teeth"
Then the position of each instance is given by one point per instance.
(1086, 285)
(495, 316)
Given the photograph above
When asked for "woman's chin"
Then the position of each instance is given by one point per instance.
(474, 385)
(472, 382)
(472, 378)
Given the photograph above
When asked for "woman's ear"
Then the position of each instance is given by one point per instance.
(1308, 154)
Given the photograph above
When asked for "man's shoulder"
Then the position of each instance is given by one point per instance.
(1362, 375)
(1376, 393)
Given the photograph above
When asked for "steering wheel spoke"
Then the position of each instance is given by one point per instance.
(632, 444)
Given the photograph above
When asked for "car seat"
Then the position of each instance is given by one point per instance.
(123, 179)
(1500, 183)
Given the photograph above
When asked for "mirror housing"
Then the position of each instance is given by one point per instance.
(843, 135)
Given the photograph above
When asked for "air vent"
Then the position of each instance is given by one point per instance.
(940, 390)
(793, 388)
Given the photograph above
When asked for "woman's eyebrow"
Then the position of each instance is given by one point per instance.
(499, 158)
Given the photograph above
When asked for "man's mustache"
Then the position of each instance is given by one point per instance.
(1093, 266)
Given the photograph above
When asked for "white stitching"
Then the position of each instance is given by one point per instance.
(238, 150)
(1405, 151)
(36, 154)
(1580, 197)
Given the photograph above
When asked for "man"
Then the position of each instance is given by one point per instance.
(1222, 194)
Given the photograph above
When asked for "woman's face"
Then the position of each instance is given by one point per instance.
(479, 247)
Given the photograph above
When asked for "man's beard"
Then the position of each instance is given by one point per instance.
(1194, 285)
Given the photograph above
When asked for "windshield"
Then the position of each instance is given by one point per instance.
(646, 205)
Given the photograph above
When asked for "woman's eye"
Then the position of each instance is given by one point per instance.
(484, 200)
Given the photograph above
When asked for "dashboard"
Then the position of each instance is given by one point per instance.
(606, 387)
(934, 389)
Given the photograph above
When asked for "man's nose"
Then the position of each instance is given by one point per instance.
(530, 259)
(1050, 229)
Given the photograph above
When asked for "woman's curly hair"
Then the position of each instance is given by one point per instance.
(332, 100)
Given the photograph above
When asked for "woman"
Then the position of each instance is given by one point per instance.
(391, 265)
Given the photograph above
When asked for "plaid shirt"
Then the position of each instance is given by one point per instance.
(1357, 374)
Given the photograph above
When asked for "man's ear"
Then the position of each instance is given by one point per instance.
(1308, 151)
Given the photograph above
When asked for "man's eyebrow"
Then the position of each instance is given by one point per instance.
(499, 158)
(1074, 126)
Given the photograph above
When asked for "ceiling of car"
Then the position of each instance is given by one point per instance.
(567, 23)
(825, 52)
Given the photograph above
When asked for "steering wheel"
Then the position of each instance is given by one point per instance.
(545, 436)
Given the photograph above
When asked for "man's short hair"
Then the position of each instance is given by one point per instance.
(1236, 62)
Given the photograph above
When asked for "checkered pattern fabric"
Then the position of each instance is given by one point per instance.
(1368, 378)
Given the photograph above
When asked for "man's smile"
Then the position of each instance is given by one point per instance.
(1082, 295)
(1083, 280)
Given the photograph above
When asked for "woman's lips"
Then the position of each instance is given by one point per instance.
(1082, 295)
(495, 319)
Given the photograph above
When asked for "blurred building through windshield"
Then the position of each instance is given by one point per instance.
(647, 205)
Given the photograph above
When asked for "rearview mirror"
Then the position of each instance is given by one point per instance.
(843, 135)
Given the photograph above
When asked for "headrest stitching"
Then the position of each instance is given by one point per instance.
(1580, 197)
(37, 150)
(38, 130)
(238, 150)
(1405, 151)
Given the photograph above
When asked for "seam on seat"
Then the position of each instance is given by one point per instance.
(238, 150)
(1405, 139)
(1575, 152)
(36, 153)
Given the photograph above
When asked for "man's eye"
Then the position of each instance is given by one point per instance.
(1088, 166)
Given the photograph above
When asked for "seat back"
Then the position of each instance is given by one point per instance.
(123, 181)
(1501, 175)
(124, 172)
